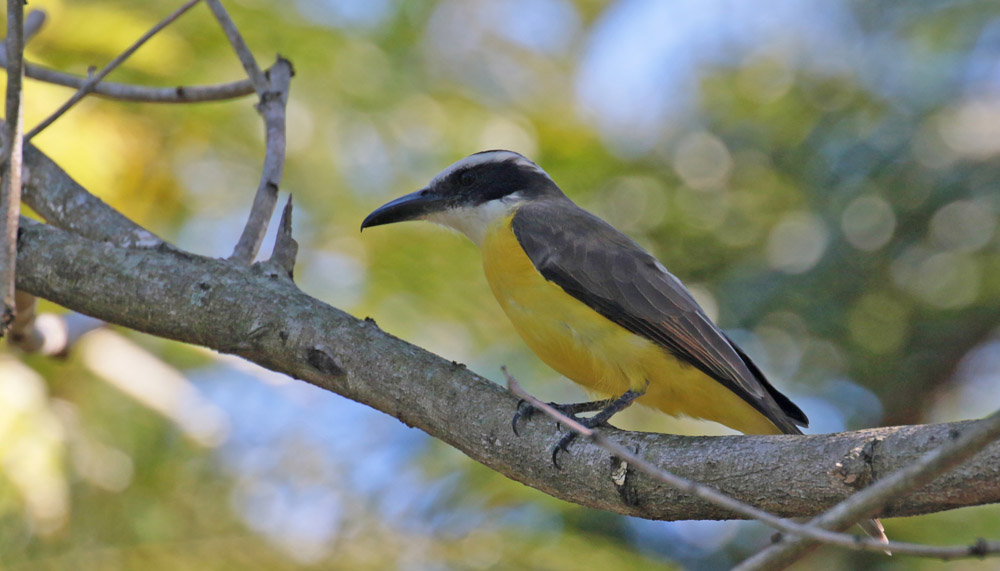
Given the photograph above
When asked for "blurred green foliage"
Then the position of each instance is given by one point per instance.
(835, 206)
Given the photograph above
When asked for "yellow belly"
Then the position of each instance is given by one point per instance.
(597, 353)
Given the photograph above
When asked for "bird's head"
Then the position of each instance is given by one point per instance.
(471, 194)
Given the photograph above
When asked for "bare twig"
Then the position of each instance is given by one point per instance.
(272, 109)
(273, 91)
(285, 246)
(10, 195)
(142, 94)
(92, 81)
(867, 502)
(240, 46)
(979, 549)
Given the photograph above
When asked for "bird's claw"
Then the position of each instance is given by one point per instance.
(524, 409)
(562, 445)
(605, 409)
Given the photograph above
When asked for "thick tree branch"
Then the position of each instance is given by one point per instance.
(10, 192)
(258, 313)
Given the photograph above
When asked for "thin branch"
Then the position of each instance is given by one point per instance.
(23, 330)
(142, 94)
(714, 496)
(272, 109)
(10, 201)
(886, 490)
(92, 81)
(260, 82)
(273, 91)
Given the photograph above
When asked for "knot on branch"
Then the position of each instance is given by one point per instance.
(323, 362)
(621, 476)
(856, 468)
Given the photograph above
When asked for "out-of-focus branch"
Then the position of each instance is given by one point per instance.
(47, 333)
(205, 301)
(33, 23)
(96, 78)
(160, 387)
(22, 332)
(886, 491)
(10, 192)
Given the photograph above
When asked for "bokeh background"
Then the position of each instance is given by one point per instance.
(823, 175)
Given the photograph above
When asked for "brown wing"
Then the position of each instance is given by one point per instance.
(609, 272)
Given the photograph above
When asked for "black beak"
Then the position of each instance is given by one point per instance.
(409, 207)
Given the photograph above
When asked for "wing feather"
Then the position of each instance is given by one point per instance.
(609, 272)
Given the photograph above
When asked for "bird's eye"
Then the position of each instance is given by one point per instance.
(467, 178)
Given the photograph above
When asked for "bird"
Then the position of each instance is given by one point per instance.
(592, 303)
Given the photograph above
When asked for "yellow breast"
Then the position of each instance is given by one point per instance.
(597, 353)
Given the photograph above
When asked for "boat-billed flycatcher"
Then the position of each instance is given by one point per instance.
(590, 302)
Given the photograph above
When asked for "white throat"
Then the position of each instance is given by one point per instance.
(474, 221)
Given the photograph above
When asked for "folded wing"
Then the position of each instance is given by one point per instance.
(613, 275)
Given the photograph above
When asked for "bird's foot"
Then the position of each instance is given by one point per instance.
(564, 442)
(526, 411)
(605, 410)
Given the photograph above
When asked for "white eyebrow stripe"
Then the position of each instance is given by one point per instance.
(485, 158)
